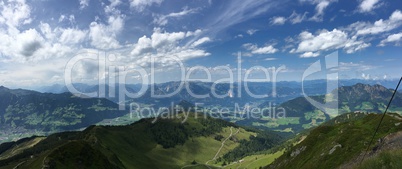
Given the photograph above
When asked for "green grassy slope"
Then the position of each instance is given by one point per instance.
(338, 141)
(168, 143)
(386, 159)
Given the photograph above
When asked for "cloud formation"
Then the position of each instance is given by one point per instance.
(310, 45)
(162, 20)
(320, 6)
(379, 26)
(140, 5)
(394, 38)
(278, 20)
(254, 49)
(84, 4)
(368, 5)
(164, 47)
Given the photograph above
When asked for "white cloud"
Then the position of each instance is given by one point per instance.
(164, 45)
(30, 42)
(297, 18)
(380, 26)
(254, 49)
(140, 5)
(72, 36)
(144, 45)
(251, 31)
(235, 12)
(365, 76)
(320, 7)
(310, 54)
(111, 8)
(30, 45)
(278, 20)
(14, 13)
(326, 40)
(21, 44)
(61, 18)
(84, 4)
(368, 5)
(394, 38)
(239, 36)
(201, 41)
(114, 3)
(353, 45)
(294, 18)
(345, 66)
(270, 59)
(265, 50)
(32, 49)
(163, 19)
(105, 36)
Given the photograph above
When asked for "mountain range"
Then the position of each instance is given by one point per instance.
(301, 114)
(22, 110)
(197, 140)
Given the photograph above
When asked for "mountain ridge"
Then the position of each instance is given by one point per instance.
(47, 112)
(144, 144)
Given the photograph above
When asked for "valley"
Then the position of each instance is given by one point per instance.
(185, 137)
(200, 84)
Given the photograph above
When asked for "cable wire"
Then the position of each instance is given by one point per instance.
(379, 124)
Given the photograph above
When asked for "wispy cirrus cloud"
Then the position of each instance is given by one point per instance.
(236, 12)
(320, 6)
(294, 18)
(163, 19)
(251, 31)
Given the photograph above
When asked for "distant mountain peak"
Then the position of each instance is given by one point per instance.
(363, 88)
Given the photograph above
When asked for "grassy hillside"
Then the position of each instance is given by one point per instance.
(168, 143)
(386, 159)
(339, 142)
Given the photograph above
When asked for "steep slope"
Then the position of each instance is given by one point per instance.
(168, 143)
(342, 141)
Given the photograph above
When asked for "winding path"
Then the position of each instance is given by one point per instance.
(219, 150)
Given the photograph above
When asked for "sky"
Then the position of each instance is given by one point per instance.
(45, 42)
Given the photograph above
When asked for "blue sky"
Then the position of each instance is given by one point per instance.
(40, 37)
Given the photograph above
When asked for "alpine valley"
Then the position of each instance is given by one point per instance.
(64, 130)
